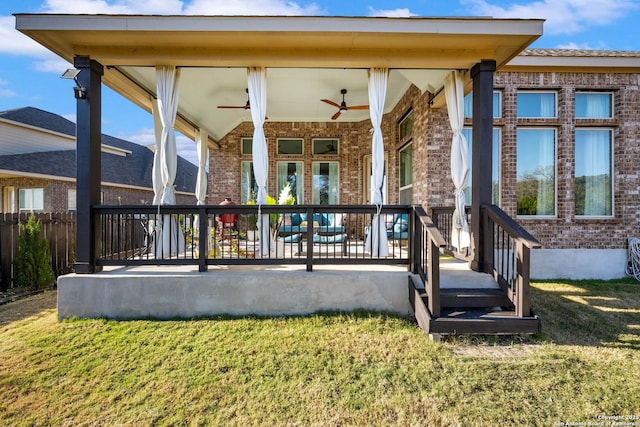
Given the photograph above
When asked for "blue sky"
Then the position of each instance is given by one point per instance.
(30, 75)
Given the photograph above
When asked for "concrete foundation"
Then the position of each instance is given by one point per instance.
(181, 292)
(578, 264)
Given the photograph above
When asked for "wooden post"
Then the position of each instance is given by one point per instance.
(88, 168)
(482, 75)
(203, 239)
(433, 276)
(523, 296)
(415, 248)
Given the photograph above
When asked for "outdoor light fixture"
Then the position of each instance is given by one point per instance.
(79, 91)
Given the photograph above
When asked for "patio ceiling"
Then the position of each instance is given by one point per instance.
(307, 58)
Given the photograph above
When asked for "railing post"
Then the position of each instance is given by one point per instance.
(203, 239)
(523, 308)
(415, 248)
(487, 240)
(433, 276)
(310, 238)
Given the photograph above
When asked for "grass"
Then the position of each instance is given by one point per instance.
(327, 369)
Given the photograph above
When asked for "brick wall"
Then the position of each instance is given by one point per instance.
(431, 138)
(56, 193)
(564, 231)
(355, 143)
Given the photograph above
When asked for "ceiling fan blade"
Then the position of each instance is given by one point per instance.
(336, 115)
(244, 107)
(358, 107)
(330, 102)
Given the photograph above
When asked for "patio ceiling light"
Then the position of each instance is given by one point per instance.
(79, 91)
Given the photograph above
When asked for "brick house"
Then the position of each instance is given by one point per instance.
(38, 166)
(565, 162)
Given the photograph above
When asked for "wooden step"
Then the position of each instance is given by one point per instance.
(490, 322)
(468, 321)
(474, 298)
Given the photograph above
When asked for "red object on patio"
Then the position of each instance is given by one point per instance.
(227, 221)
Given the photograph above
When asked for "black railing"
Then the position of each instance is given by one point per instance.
(507, 249)
(224, 235)
(426, 249)
(442, 218)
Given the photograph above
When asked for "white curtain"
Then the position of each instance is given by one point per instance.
(257, 79)
(546, 172)
(377, 238)
(203, 156)
(593, 149)
(454, 95)
(547, 105)
(597, 105)
(155, 176)
(201, 181)
(169, 238)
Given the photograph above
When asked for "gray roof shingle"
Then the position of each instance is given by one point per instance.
(580, 53)
(133, 169)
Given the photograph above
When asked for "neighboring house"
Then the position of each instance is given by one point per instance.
(38, 166)
(566, 156)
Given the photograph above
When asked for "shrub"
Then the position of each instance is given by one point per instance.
(32, 263)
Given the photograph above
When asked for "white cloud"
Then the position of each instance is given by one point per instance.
(162, 7)
(391, 13)
(581, 46)
(71, 117)
(6, 93)
(14, 42)
(145, 136)
(250, 7)
(186, 148)
(178, 7)
(562, 16)
(54, 65)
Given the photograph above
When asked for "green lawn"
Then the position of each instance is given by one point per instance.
(327, 369)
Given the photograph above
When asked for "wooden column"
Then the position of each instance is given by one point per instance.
(88, 167)
(481, 185)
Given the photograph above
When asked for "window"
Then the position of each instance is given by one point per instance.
(289, 146)
(291, 172)
(71, 199)
(247, 145)
(536, 104)
(325, 147)
(594, 105)
(497, 105)
(31, 199)
(406, 174)
(325, 183)
(593, 185)
(535, 171)
(495, 165)
(406, 125)
(248, 182)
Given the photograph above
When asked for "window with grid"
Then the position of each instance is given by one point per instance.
(536, 171)
(593, 172)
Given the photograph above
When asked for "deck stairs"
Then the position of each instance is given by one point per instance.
(470, 303)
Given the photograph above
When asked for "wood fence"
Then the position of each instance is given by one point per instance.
(58, 228)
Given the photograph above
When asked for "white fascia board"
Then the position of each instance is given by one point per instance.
(416, 25)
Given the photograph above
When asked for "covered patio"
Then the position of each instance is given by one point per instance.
(300, 60)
